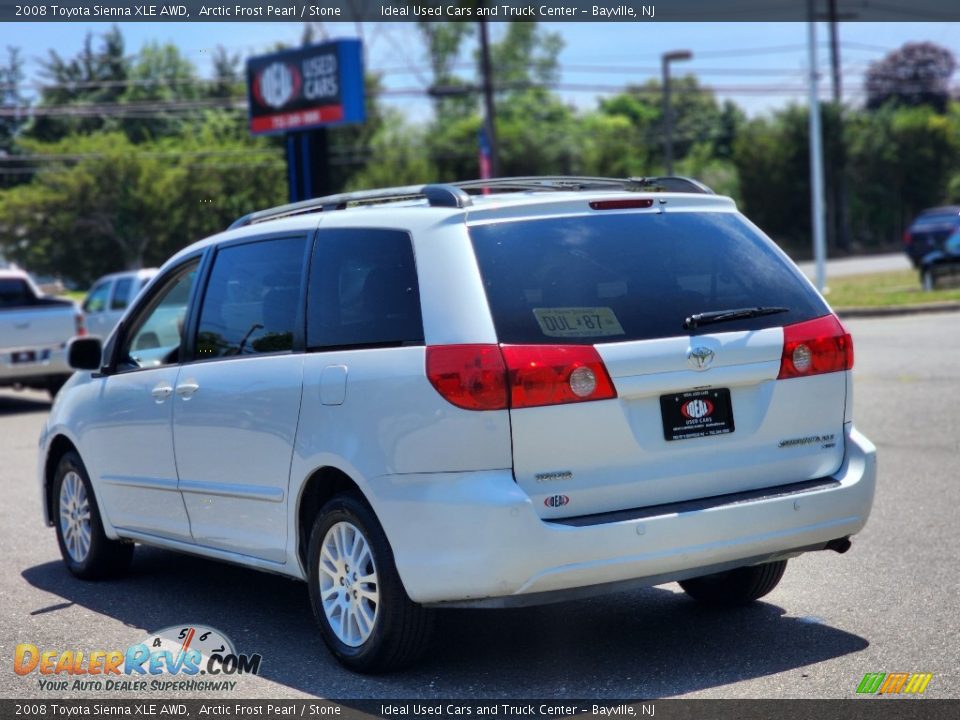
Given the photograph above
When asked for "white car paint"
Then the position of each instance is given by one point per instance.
(39, 331)
(218, 465)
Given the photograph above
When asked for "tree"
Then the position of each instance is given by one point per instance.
(773, 164)
(451, 96)
(534, 128)
(397, 157)
(228, 79)
(113, 205)
(900, 160)
(916, 74)
(11, 99)
(95, 76)
(526, 56)
(161, 74)
(697, 118)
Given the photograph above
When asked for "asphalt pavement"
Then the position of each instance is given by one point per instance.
(861, 265)
(889, 605)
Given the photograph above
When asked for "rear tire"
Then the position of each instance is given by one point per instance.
(87, 552)
(366, 618)
(735, 587)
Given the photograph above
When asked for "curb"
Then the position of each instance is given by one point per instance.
(867, 312)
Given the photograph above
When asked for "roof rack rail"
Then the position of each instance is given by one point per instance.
(666, 183)
(669, 183)
(455, 195)
(437, 195)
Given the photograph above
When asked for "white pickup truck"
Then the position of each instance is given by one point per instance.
(34, 331)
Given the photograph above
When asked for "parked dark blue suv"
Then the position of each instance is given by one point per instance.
(928, 232)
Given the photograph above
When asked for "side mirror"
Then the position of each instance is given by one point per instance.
(85, 353)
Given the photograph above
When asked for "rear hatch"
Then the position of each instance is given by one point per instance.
(692, 409)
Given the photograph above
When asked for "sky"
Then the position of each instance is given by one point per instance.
(761, 66)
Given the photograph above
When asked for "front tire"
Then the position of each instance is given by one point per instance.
(735, 587)
(87, 552)
(366, 618)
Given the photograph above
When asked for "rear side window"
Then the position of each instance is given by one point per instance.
(363, 290)
(625, 276)
(251, 299)
(121, 294)
(15, 293)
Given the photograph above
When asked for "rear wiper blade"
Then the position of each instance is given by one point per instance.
(716, 316)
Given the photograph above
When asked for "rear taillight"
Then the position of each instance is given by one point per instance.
(469, 376)
(555, 374)
(907, 238)
(81, 326)
(491, 377)
(815, 347)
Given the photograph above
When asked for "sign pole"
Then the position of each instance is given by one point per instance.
(300, 93)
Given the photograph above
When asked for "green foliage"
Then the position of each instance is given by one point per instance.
(395, 159)
(125, 206)
(773, 164)
(697, 118)
(536, 132)
(609, 145)
(160, 77)
(900, 161)
(11, 78)
(95, 76)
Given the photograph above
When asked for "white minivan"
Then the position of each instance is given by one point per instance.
(427, 397)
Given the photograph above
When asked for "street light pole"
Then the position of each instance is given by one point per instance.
(816, 155)
(665, 61)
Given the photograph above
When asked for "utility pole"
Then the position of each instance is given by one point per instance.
(834, 51)
(841, 227)
(490, 118)
(816, 155)
(667, 112)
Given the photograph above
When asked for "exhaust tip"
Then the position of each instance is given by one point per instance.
(840, 545)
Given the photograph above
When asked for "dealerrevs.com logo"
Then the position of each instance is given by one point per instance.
(183, 657)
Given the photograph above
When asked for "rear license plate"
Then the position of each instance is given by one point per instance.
(24, 356)
(697, 413)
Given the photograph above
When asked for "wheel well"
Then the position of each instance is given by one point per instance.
(59, 447)
(319, 488)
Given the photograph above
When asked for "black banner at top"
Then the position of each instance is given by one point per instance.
(465, 709)
(644, 11)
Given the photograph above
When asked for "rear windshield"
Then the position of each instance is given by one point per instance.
(626, 276)
(15, 293)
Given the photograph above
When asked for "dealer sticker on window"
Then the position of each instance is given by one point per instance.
(578, 322)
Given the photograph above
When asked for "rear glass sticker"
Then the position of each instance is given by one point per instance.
(577, 322)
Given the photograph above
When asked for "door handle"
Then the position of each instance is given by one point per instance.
(187, 389)
(161, 392)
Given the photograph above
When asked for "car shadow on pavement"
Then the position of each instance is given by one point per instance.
(646, 643)
(11, 404)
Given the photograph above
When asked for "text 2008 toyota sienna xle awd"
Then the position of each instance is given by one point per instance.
(424, 397)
